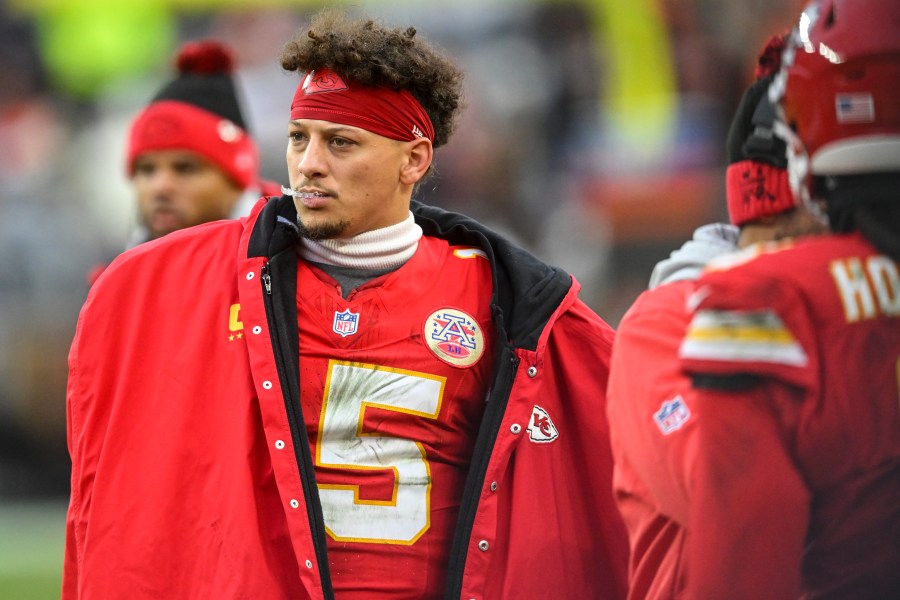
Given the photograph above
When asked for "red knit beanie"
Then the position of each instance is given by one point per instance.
(756, 179)
(199, 111)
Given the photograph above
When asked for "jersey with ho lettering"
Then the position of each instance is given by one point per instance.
(393, 384)
(795, 473)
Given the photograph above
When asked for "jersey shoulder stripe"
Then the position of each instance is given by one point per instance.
(741, 336)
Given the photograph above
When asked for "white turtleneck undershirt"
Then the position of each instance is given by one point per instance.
(354, 261)
(380, 249)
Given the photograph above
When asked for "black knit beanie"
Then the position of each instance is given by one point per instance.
(205, 80)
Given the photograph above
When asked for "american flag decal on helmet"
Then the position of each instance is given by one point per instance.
(855, 108)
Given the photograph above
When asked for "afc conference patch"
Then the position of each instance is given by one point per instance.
(454, 337)
(672, 415)
(345, 323)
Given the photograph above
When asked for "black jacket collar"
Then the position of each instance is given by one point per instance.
(526, 290)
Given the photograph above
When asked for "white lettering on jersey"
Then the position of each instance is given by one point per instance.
(867, 291)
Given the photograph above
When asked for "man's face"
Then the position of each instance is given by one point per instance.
(349, 179)
(177, 189)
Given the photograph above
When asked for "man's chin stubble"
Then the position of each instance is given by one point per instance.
(324, 231)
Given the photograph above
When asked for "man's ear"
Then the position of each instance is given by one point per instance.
(419, 155)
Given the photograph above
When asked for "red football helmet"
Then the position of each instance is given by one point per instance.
(839, 90)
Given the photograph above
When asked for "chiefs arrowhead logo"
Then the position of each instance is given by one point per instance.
(324, 80)
(541, 429)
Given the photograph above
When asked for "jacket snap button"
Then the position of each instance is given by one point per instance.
(515, 428)
(483, 545)
(532, 371)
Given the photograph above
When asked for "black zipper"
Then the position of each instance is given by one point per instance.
(280, 334)
(267, 280)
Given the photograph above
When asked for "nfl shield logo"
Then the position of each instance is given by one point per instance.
(672, 415)
(345, 322)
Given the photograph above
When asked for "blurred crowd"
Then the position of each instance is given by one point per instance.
(594, 134)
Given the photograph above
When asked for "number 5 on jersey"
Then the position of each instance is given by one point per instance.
(351, 389)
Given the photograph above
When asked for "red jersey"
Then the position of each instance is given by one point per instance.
(646, 396)
(794, 465)
(393, 383)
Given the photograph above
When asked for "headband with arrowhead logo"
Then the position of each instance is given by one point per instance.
(325, 96)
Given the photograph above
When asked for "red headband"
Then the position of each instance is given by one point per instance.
(324, 96)
(756, 189)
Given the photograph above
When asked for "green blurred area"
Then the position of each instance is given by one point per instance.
(88, 45)
(33, 585)
(32, 541)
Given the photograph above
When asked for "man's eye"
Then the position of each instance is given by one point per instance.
(187, 168)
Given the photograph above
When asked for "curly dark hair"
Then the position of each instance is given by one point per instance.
(372, 55)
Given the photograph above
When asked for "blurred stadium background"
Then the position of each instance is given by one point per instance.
(594, 134)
